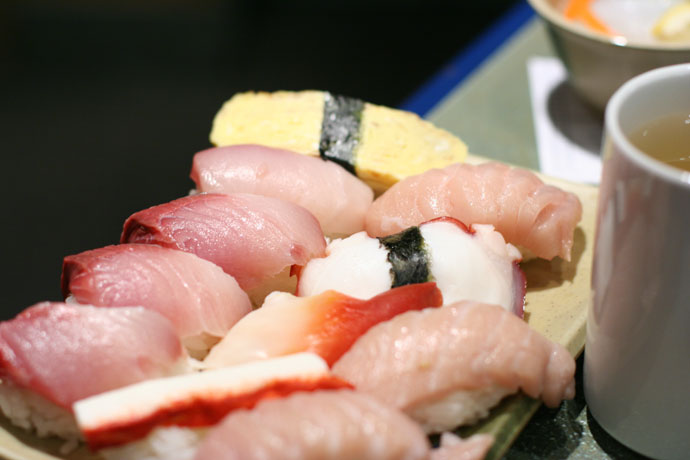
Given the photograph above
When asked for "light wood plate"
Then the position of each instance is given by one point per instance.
(558, 293)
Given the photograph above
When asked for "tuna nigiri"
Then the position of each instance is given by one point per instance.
(527, 212)
(336, 198)
(200, 300)
(119, 422)
(327, 425)
(54, 354)
(326, 324)
(251, 237)
(466, 263)
(447, 366)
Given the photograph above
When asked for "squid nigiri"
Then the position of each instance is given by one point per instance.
(326, 324)
(336, 198)
(466, 263)
(528, 213)
(447, 366)
(54, 354)
(251, 237)
(329, 425)
(200, 300)
(118, 422)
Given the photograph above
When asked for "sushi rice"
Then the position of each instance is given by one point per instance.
(167, 443)
(33, 412)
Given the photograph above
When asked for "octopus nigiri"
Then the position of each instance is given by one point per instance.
(53, 354)
(528, 213)
(251, 237)
(447, 366)
(336, 198)
(472, 263)
(200, 300)
(326, 324)
(329, 425)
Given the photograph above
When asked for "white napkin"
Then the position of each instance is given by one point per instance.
(568, 132)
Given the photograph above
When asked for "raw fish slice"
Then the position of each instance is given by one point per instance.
(336, 198)
(322, 425)
(68, 352)
(454, 448)
(459, 360)
(326, 324)
(196, 400)
(251, 237)
(527, 212)
(466, 263)
(200, 300)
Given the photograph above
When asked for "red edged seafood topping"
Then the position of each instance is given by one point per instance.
(202, 411)
(343, 323)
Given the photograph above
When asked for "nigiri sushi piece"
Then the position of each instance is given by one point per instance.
(334, 196)
(53, 354)
(455, 448)
(200, 300)
(528, 213)
(326, 324)
(324, 425)
(251, 237)
(472, 263)
(119, 423)
(379, 144)
(448, 366)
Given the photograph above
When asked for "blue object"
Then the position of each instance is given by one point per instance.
(465, 62)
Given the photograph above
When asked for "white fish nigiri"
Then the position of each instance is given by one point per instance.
(322, 425)
(53, 354)
(198, 298)
(448, 366)
(466, 263)
(338, 199)
(251, 237)
(527, 212)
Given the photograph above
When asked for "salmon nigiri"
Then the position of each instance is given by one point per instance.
(338, 199)
(528, 213)
(447, 366)
(326, 324)
(253, 238)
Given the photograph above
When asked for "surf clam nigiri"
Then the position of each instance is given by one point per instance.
(251, 237)
(527, 212)
(127, 423)
(336, 198)
(53, 354)
(327, 425)
(447, 366)
(201, 300)
(326, 324)
(466, 263)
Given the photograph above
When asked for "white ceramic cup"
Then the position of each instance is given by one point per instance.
(637, 355)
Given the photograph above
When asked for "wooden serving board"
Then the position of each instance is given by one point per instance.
(558, 294)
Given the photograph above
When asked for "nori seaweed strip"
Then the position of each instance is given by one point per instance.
(342, 117)
(408, 255)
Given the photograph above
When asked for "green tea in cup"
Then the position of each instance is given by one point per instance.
(666, 139)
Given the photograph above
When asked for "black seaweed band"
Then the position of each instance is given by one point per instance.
(408, 255)
(342, 117)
